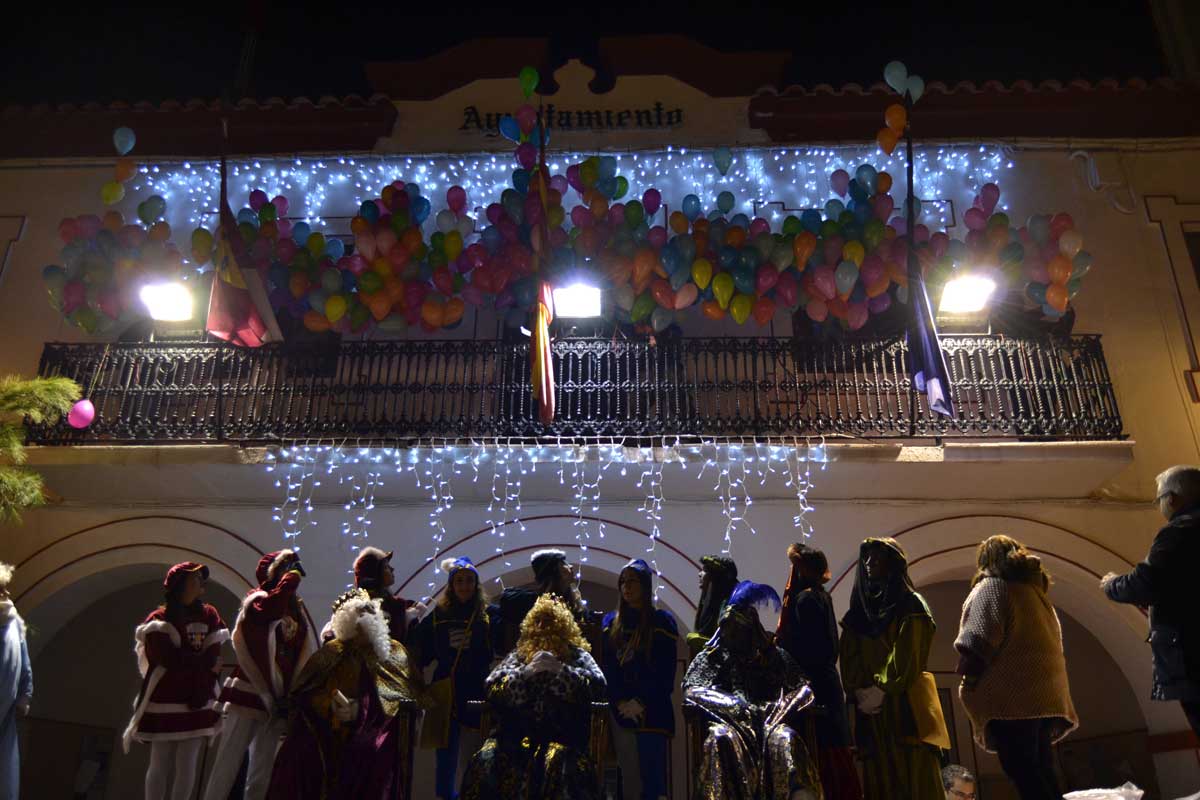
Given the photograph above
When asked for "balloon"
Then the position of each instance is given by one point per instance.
(895, 74)
(526, 155)
(528, 78)
(624, 297)
(1036, 292)
(825, 282)
(702, 272)
(744, 279)
(82, 412)
(1070, 243)
(660, 318)
(879, 303)
(722, 158)
(840, 181)
(764, 310)
(453, 311)
(1056, 297)
(884, 181)
(124, 140)
(686, 296)
(915, 87)
(151, 209)
(651, 201)
(509, 128)
(834, 209)
(300, 233)
(975, 219)
(446, 220)
(433, 312)
(817, 310)
(867, 178)
(662, 293)
(642, 306)
(712, 309)
(691, 207)
(803, 247)
(989, 195)
(620, 187)
(845, 277)
(335, 307)
(740, 307)
(1059, 270)
(725, 202)
(766, 278)
(526, 117)
(1081, 264)
(787, 290)
(315, 244)
(112, 193)
(853, 251)
(856, 316)
(895, 117)
(722, 285)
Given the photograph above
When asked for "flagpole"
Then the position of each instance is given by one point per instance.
(913, 266)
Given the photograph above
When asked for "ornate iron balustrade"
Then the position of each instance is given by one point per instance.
(396, 390)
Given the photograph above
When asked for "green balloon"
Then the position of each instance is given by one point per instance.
(642, 307)
(437, 241)
(634, 213)
(529, 81)
(399, 221)
(370, 282)
(622, 188)
(830, 228)
(268, 213)
(792, 226)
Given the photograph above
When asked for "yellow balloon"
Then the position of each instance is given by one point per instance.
(316, 245)
(453, 245)
(853, 251)
(112, 193)
(722, 284)
(335, 307)
(740, 307)
(701, 273)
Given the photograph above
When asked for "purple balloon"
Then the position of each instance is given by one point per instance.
(559, 184)
(880, 303)
(81, 414)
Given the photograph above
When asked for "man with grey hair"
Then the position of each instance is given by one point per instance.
(958, 782)
(1163, 583)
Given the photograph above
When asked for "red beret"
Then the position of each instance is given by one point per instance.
(176, 573)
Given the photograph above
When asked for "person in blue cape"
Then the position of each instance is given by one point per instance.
(17, 678)
(637, 654)
(456, 635)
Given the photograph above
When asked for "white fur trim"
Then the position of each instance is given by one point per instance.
(139, 640)
(549, 551)
(139, 706)
(246, 662)
(311, 645)
(283, 556)
(177, 708)
(220, 636)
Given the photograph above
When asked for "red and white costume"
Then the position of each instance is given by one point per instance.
(273, 640)
(178, 660)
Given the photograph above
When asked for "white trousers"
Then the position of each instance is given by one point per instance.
(184, 753)
(239, 732)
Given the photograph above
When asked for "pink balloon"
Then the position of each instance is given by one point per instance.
(559, 184)
(652, 201)
(921, 233)
(456, 199)
(938, 244)
(581, 217)
(81, 414)
(281, 205)
(616, 214)
(856, 315)
(686, 296)
(526, 155)
(89, 225)
(526, 117)
(759, 225)
(975, 219)
(989, 195)
(356, 264)
(840, 181)
(833, 249)
(882, 205)
(817, 310)
(766, 278)
(365, 244)
(872, 270)
(787, 289)
(258, 199)
(573, 178)
(657, 237)
(824, 281)
(472, 295)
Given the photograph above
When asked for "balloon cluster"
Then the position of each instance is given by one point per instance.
(113, 192)
(105, 262)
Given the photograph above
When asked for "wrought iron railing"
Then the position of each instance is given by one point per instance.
(396, 390)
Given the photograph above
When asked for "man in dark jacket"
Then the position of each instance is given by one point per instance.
(1164, 583)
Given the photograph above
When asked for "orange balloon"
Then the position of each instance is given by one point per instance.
(1059, 270)
(455, 308)
(159, 232)
(124, 170)
(803, 247)
(883, 183)
(317, 323)
(619, 270)
(433, 312)
(701, 240)
(735, 236)
(382, 265)
(388, 195)
(887, 139)
(712, 309)
(599, 207)
(394, 288)
(359, 225)
(764, 310)
(896, 118)
(380, 305)
(268, 231)
(643, 268)
(678, 222)
(411, 239)
(700, 225)
(1056, 297)
(113, 220)
(838, 307)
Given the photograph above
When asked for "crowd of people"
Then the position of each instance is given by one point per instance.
(782, 703)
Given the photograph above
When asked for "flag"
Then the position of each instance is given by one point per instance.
(238, 309)
(541, 366)
(926, 361)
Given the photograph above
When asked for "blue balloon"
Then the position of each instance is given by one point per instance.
(419, 209)
(867, 178)
(425, 271)
(316, 300)
(1036, 292)
(741, 221)
(859, 294)
(369, 211)
(413, 191)
(301, 232)
(335, 248)
(679, 278)
(247, 215)
(862, 212)
(1050, 311)
(509, 128)
(748, 258)
(687, 248)
(811, 220)
(857, 192)
(670, 260)
(834, 209)
(691, 207)
(491, 238)
(725, 202)
(743, 280)
(349, 281)
(607, 186)
(727, 257)
(608, 167)
(124, 140)
(520, 180)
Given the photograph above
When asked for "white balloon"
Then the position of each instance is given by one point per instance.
(915, 87)
(466, 226)
(895, 74)
(446, 221)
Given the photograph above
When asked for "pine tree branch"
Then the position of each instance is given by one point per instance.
(40, 399)
(12, 442)
(20, 489)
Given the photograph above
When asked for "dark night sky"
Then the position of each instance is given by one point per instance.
(156, 54)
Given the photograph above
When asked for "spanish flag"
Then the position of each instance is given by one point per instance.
(238, 309)
(541, 366)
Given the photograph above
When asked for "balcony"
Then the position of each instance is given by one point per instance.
(1004, 389)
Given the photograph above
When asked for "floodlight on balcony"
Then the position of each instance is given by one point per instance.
(578, 300)
(167, 302)
(966, 294)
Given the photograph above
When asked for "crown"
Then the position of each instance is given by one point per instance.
(346, 597)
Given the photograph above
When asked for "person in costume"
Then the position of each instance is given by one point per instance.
(1014, 684)
(749, 693)
(178, 650)
(886, 636)
(16, 678)
(637, 654)
(457, 636)
(718, 577)
(346, 737)
(273, 640)
(553, 575)
(808, 632)
(542, 695)
(373, 574)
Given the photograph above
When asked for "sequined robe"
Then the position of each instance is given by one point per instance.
(539, 750)
(750, 750)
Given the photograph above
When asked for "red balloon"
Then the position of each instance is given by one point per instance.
(765, 279)
(662, 293)
(787, 289)
(764, 310)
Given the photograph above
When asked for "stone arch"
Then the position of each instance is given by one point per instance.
(944, 550)
(622, 542)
